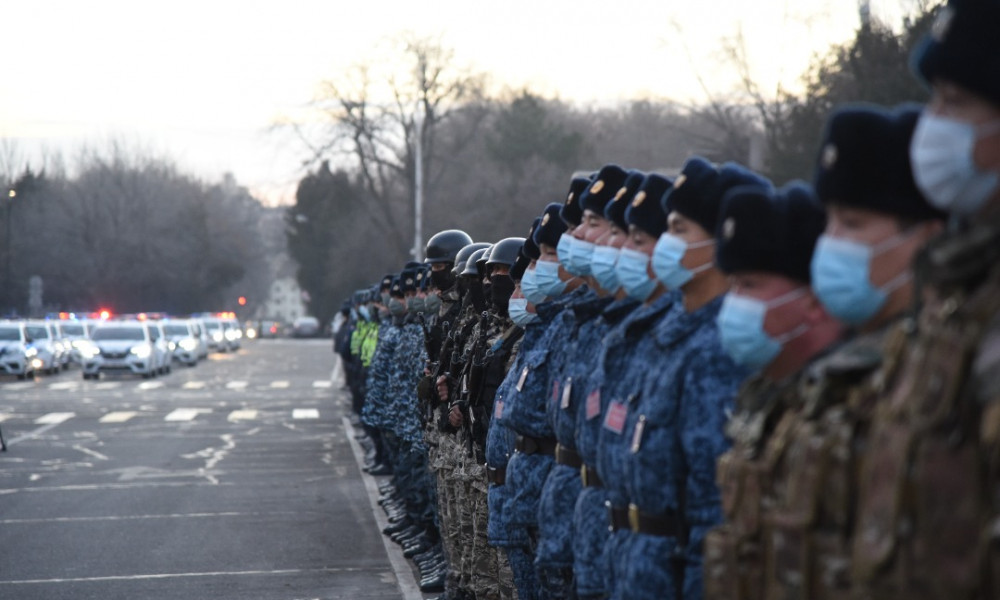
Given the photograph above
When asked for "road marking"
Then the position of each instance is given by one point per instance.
(193, 385)
(107, 385)
(21, 385)
(236, 385)
(280, 384)
(322, 384)
(144, 517)
(404, 574)
(305, 413)
(243, 415)
(90, 452)
(149, 385)
(179, 575)
(182, 414)
(117, 417)
(54, 418)
(4, 417)
(64, 385)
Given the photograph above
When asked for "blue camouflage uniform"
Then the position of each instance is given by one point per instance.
(582, 336)
(589, 515)
(673, 435)
(374, 412)
(625, 362)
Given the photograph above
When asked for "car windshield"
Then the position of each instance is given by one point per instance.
(176, 329)
(10, 334)
(72, 330)
(37, 332)
(117, 333)
(212, 325)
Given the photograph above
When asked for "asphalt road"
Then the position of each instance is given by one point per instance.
(235, 479)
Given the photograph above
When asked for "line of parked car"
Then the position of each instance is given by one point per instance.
(127, 345)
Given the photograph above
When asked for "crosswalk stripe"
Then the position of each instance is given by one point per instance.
(243, 415)
(107, 385)
(182, 414)
(280, 384)
(305, 413)
(54, 418)
(193, 385)
(64, 385)
(4, 417)
(236, 385)
(149, 385)
(20, 385)
(117, 417)
(325, 383)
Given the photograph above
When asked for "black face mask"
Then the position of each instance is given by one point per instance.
(475, 296)
(443, 280)
(501, 289)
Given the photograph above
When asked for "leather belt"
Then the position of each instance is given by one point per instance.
(589, 477)
(568, 456)
(660, 525)
(531, 445)
(617, 516)
(496, 476)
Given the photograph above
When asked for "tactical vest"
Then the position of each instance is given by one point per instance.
(928, 503)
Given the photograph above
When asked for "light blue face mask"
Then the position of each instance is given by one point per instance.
(741, 328)
(547, 276)
(529, 287)
(841, 277)
(667, 257)
(432, 303)
(579, 257)
(632, 274)
(365, 314)
(943, 167)
(602, 267)
(517, 308)
(396, 307)
(564, 248)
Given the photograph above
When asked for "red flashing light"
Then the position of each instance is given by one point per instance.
(242, 300)
(105, 314)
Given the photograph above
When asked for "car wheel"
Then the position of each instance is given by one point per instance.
(22, 376)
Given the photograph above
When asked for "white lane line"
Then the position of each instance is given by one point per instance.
(107, 385)
(182, 414)
(182, 575)
(117, 417)
(243, 415)
(236, 385)
(90, 452)
(21, 385)
(64, 385)
(54, 418)
(322, 384)
(193, 385)
(149, 385)
(145, 517)
(305, 413)
(280, 384)
(404, 574)
(4, 417)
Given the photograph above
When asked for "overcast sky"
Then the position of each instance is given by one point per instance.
(201, 81)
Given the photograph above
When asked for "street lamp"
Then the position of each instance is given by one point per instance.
(8, 279)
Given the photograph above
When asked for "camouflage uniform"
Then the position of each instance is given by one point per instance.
(927, 502)
(673, 434)
(590, 526)
(581, 339)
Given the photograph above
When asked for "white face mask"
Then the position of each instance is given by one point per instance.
(941, 154)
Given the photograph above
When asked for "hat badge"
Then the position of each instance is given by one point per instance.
(942, 24)
(420, 276)
(545, 219)
(639, 199)
(680, 180)
(729, 228)
(597, 187)
(620, 193)
(569, 198)
(829, 157)
(409, 282)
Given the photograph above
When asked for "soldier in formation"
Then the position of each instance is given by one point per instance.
(697, 384)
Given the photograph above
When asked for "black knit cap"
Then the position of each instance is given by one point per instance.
(963, 47)
(645, 210)
(530, 248)
(550, 227)
(772, 231)
(697, 192)
(864, 162)
(396, 290)
(608, 181)
(571, 211)
(614, 209)
(387, 281)
(520, 266)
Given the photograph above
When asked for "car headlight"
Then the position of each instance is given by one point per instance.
(217, 336)
(141, 351)
(187, 344)
(87, 349)
(31, 352)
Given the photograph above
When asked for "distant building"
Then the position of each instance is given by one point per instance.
(284, 302)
